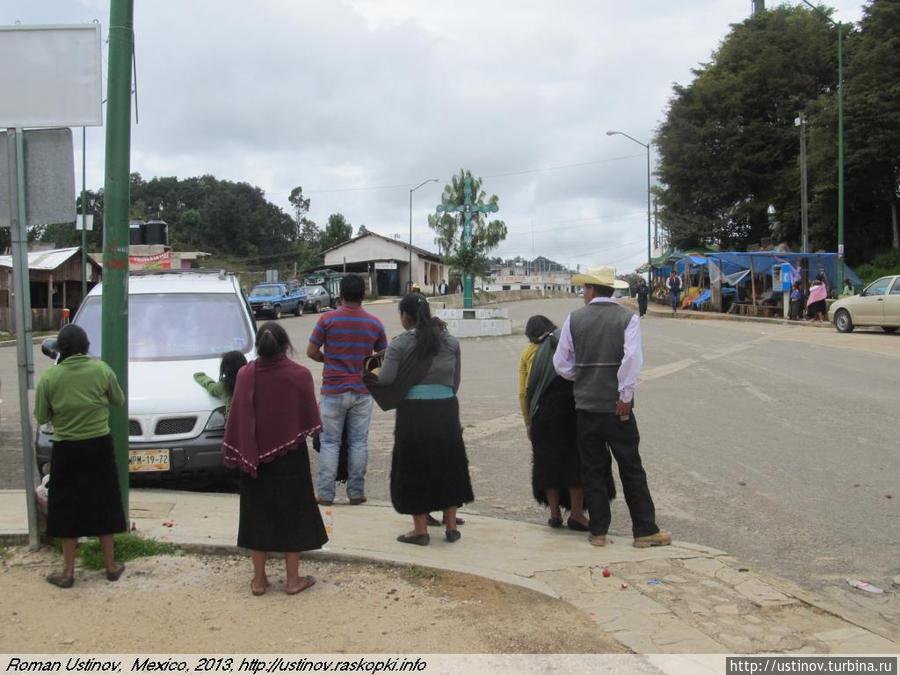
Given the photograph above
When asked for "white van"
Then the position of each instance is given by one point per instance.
(179, 323)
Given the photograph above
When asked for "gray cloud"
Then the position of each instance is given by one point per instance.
(366, 93)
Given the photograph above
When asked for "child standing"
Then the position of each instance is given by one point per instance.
(223, 388)
(796, 302)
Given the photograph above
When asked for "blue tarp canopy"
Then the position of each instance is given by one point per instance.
(761, 263)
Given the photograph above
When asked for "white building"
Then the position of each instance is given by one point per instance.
(386, 262)
(547, 282)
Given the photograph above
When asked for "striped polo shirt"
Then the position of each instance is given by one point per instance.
(347, 336)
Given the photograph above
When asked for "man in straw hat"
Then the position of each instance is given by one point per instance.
(600, 349)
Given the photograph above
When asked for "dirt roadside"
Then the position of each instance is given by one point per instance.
(198, 603)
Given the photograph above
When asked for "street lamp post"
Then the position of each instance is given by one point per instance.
(646, 146)
(840, 54)
(410, 274)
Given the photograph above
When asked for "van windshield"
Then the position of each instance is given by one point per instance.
(171, 326)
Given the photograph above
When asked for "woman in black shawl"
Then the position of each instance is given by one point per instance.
(548, 408)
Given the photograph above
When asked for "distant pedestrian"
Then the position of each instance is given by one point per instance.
(272, 412)
(815, 303)
(796, 308)
(429, 467)
(600, 350)
(643, 296)
(83, 492)
(548, 409)
(848, 291)
(443, 288)
(342, 340)
(673, 283)
(223, 388)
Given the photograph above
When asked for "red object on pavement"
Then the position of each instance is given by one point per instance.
(606, 572)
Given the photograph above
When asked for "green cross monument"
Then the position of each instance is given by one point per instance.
(467, 208)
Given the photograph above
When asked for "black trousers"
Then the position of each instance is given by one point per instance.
(598, 435)
(642, 305)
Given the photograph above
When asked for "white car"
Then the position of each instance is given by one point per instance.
(877, 305)
(179, 323)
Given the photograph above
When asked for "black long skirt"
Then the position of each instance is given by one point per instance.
(554, 444)
(83, 496)
(278, 507)
(429, 467)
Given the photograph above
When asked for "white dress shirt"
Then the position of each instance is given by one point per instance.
(632, 361)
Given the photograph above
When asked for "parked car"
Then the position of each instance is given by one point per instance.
(275, 299)
(179, 323)
(877, 305)
(317, 298)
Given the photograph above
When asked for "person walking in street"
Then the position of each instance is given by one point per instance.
(342, 340)
(272, 412)
(643, 296)
(429, 467)
(600, 350)
(548, 409)
(673, 283)
(83, 498)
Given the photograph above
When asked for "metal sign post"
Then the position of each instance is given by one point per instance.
(22, 308)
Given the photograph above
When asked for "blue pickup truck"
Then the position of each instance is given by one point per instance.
(275, 299)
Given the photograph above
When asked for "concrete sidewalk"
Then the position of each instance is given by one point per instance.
(678, 599)
(665, 311)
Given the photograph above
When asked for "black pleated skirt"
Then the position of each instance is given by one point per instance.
(429, 467)
(554, 443)
(83, 496)
(278, 508)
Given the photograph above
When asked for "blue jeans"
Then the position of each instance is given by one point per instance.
(675, 295)
(356, 409)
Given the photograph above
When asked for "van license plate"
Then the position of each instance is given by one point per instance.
(148, 460)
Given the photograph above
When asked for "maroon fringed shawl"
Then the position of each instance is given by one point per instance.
(272, 410)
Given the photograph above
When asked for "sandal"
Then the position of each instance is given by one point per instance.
(307, 582)
(256, 591)
(60, 580)
(555, 523)
(452, 535)
(577, 526)
(116, 573)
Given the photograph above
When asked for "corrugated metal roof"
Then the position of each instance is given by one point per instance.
(43, 260)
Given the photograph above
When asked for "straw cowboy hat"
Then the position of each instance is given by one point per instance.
(599, 276)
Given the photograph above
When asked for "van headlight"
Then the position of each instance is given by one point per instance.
(216, 420)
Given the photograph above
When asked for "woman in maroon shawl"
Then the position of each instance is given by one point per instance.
(273, 411)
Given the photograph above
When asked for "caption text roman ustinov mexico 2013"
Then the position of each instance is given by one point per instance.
(222, 664)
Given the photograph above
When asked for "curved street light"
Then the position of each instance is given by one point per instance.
(411, 190)
(647, 147)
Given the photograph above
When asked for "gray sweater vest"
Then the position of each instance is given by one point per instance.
(598, 337)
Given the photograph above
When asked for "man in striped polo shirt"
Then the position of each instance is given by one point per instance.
(342, 339)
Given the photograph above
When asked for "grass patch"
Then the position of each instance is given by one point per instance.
(127, 547)
(416, 573)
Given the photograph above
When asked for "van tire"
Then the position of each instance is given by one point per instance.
(843, 322)
(298, 310)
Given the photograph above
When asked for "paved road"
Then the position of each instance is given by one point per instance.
(778, 444)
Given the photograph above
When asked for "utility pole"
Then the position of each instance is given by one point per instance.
(114, 330)
(83, 213)
(655, 225)
(804, 203)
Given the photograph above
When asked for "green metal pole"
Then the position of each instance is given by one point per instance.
(468, 280)
(114, 332)
(840, 28)
(83, 213)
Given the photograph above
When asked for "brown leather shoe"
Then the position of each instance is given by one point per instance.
(324, 502)
(597, 539)
(356, 501)
(659, 539)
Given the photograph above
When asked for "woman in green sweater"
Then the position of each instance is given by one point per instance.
(83, 493)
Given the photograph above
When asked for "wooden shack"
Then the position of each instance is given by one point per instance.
(55, 277)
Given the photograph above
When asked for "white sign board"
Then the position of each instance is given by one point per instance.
(51, 76)
(79, 224)
(385, 265)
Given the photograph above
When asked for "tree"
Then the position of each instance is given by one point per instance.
(448, 227)
(362, 230)
(728, 147)
(337, 231)
(872, 126)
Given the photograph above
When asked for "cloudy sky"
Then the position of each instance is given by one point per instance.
(359, 100)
